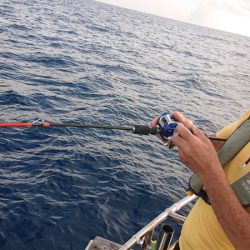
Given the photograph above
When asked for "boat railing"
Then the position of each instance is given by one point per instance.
(143, 238)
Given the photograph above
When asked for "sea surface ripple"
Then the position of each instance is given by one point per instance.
(87, 62)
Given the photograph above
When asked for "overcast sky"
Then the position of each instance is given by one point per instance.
(228, 15)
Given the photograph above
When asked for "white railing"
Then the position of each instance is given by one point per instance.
(143, 237)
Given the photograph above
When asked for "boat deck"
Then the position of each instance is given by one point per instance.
(99, 243)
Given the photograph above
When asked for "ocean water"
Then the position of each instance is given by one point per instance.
(87, 62)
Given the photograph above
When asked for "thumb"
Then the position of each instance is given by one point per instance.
(154, 122)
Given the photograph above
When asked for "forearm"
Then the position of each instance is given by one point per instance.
(233, 218)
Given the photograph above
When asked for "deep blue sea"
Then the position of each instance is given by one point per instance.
(87, 62)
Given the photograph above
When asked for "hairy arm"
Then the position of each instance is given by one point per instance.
(198, 153)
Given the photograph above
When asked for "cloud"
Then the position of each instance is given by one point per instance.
(229, 15)
(205, 12)
(239, 7)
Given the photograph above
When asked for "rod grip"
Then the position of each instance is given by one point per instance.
(144, 130)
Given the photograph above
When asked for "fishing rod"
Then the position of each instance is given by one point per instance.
(165, 127)
(136, 129)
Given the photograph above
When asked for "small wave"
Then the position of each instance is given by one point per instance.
(51, 61)
(13, 27)
(13, 98)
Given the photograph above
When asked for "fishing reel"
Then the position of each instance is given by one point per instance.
(167, 125)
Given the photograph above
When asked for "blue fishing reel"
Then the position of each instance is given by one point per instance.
(167, 125)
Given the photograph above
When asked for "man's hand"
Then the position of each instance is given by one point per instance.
(179, 117)
(195, 150)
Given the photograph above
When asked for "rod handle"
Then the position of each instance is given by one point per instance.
(144, 130)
